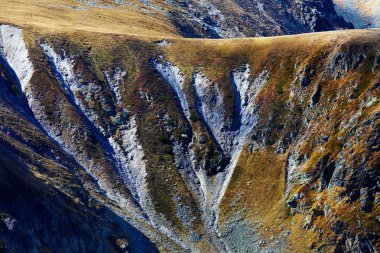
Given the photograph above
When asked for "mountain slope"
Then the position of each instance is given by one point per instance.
(361, 13)
(206, 18)
(236, 18)
(194, 145)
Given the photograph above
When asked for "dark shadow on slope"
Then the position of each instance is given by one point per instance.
(37, 217)
(236, 118)
(10, 88)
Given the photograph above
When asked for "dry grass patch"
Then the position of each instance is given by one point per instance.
(69, 15)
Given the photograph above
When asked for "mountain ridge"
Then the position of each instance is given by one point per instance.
(203, 19)
(163, 143)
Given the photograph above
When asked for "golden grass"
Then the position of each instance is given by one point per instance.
(60, 16)
(125, 31)
(208, 54)
(259, 183)
(134, 19)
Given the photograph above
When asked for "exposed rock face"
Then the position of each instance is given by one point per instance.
(342, 62)
(80, 94)
(238, 18)
(175, 78)
(14, 50)
(210, 106)
(317, 15)
(363, 14)
(190, 146)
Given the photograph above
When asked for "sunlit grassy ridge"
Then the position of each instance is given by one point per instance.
(71, 15)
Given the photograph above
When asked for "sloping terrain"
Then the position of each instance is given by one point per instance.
(204, 19)
(189, 145)
(239, 18)
(119, 135)
(361, 13)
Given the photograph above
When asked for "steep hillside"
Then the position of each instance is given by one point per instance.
(361, 13)
(188, 18)
(114, 142)
(239, 18)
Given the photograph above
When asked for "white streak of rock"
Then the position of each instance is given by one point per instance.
(175, 79)
(211, 107)
(13, 49)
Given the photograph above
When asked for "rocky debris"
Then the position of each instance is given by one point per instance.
(210, 105)
(308, 222)
(325, 168)
(356, 244)
(348, 166)
(306, 76)
(164, 43)
(81, 96)
(115, 80)
(331, 165)
(202, 19)
(8, 221)
(238, 18)
(291, 169)
(262, 243)
(344, 61)
(317, 15)
(376, 63)
(366, 199)
(123, 244)
(175, 79)
(362, 14)
(13, 49)
(293, 201)
(316, 95)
